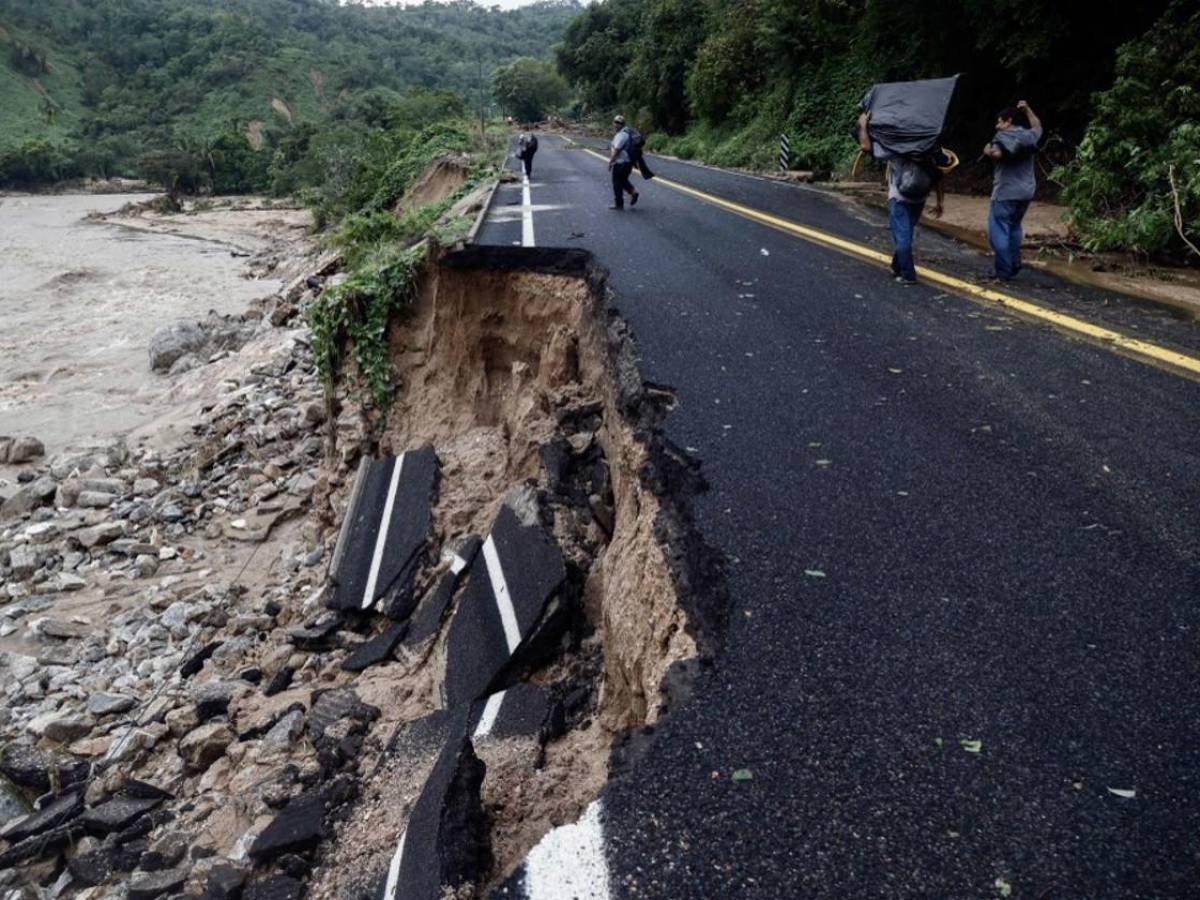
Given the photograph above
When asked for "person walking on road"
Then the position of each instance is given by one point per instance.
(527, 145)
(1014, 182)
(910, 182)
(620, 163)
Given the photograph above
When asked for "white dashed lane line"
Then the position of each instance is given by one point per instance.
(381, 538)
(526, 214)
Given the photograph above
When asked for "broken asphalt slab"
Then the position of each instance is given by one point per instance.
(427, 620)
(523, 710)
(383, 533)
(377, 649)
(298, 828)
(446, 843)
(512, 580)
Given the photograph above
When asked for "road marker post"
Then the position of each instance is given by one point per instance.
(785, 152)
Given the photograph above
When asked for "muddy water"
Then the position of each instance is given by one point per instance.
(79, 301)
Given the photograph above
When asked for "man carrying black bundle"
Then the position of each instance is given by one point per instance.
(1014, 183)
(910, 181)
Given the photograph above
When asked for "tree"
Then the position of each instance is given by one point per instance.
(529, 89)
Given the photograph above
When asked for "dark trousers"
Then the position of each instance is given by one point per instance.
(902, 218)
(620, 180)
(1005, 233)
(528, 160)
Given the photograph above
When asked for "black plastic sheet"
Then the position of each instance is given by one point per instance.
(908, 117)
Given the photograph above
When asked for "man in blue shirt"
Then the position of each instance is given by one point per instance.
(620, 163)
(1014, 182)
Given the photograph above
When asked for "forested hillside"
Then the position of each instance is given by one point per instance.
(101, 86)
(720, 79)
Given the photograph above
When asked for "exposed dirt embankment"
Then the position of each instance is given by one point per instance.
(512, 367)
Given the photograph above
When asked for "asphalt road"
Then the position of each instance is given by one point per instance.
(964, 564)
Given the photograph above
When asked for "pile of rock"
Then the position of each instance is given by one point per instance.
(132, 710)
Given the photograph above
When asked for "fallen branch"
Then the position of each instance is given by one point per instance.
(1179, 210)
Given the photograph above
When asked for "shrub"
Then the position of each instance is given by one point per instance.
(1145, 132)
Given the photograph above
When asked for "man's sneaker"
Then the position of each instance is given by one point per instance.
(616, 206)
(634, 199)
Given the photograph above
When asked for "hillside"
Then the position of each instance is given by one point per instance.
(96, 85)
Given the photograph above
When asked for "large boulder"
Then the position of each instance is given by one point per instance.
(174, 341)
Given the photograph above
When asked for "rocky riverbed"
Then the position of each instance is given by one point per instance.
(128, 561)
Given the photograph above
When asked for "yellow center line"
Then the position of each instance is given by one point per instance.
(1143, 351)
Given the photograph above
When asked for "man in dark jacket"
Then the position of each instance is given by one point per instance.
(1014, 182)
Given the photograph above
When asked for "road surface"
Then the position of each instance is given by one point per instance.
(964, 558)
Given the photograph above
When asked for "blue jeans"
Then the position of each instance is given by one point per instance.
(902, 218)
(1004, 234)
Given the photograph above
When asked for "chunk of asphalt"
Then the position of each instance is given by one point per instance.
(31, 767)
(513, 578)
(195, 662)
(93, 868)
(318, 635)
(297, 828)
(54, 813)
(279, 682)
(376, 650)
(40, 844)
(523, 710)
(427, 620)
(116, 814)
(334, 706)
(274, 887)
(446, 843)
(224, 882)
(387, 529)
(212, 699)
(423, 738)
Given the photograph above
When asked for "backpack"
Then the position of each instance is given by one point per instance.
(531, 144)
(636, 144)
(917, 181)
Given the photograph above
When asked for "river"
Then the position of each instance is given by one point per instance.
(80, 300)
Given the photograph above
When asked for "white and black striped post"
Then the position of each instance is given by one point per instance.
(785, 152)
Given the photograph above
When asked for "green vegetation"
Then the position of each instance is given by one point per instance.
(719, 80)
(1135, 181)
(384, 247)
(529, 89)
(252, 95)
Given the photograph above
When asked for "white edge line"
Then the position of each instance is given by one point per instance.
(393, 879)
(570, 863)
(381, 538)
(491, 710)
(458, 564)
(526, 214)
(508, 615)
